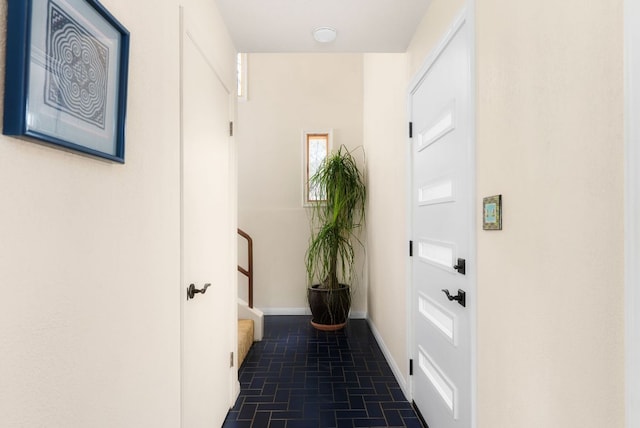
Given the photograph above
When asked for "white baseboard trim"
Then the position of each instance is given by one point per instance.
(392, 363)
(356, 315)
(286, 311)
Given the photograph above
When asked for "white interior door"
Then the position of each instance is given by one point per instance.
(207, 319)
(442, 227)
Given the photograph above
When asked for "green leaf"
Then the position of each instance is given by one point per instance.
(330, 256)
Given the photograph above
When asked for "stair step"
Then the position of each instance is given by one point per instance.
(245, 339)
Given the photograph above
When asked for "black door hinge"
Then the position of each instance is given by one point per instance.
(410, 367)
(410, 129)
(230, 129)
(410, 248)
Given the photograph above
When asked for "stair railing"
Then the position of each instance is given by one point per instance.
(249, 271)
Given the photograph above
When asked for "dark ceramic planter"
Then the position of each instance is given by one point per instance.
(329, 308)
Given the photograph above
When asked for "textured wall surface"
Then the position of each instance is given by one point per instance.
(290, 93)
(90, 252)
(550, 285)
(385, 139)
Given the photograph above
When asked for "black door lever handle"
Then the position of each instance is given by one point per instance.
(461, 266)
(192, 290)
(461, 297)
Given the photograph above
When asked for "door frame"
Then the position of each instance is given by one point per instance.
(465, 17)
(632, 211)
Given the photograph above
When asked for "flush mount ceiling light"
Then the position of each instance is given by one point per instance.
(324, 34)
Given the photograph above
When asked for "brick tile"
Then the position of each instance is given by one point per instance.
(374, 410)
(393, 417)
(370, 422)
(261, 420)
(356, 402)
(300, 377)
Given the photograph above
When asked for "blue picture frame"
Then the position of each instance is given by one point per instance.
(66, 76)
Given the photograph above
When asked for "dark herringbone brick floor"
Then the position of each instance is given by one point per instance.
(300, 377)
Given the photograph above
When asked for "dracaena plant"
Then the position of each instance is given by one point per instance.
(335, 220)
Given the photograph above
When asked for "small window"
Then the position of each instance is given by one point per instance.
(241, 75)
(317, 146)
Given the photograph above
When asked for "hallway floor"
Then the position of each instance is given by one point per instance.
(300, 377)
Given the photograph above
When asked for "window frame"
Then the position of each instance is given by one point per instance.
(241, 76)
(306, 134)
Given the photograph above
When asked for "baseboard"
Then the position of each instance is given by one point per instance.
(392, 363)
(286, 311)
(356, 315)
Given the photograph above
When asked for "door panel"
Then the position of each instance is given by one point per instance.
(207, 319)
(441, 228)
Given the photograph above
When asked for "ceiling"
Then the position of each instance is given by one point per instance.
(287, 25)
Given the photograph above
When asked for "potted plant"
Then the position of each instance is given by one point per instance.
(335, 221)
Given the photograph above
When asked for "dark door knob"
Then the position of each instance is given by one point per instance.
(461, 267)
(192, 290)
(461, 297)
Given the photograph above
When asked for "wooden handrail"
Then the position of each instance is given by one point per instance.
(249, 271)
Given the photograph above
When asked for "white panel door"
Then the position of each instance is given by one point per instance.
(207, 319)
(441, 229)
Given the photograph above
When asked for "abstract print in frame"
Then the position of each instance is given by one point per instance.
(66, 75)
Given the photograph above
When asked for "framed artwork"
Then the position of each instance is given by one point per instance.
(492, 213)
(66, 76)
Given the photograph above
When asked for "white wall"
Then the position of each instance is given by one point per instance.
(632, 212)
(386, 79)
(89, 260)
(550, 140)
(385, 139)
(289, 93)
(434, 24)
